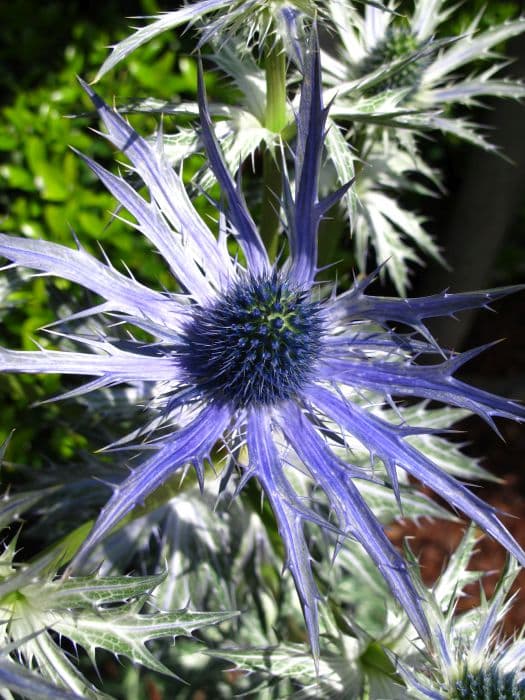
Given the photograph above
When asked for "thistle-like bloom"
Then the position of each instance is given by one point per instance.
(472, 660)
(258, 357)
(392, 79)
(383, 53)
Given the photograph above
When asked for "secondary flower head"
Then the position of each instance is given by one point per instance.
(397, 43)
(399, 56)
(472, 660)
(258, 356)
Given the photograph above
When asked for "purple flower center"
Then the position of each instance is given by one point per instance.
(256, 344)
(488, 684)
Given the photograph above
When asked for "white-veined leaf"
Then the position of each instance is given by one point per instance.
(124, 631)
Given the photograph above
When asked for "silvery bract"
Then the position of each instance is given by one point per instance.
(93, 612)
(393, 77)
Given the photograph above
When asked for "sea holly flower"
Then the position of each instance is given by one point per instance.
(393, 77)
(472, 660)
(383, 52)
(260, 358)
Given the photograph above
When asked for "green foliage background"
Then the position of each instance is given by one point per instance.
(45, 189)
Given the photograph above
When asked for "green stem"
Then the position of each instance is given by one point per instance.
(275, 68)
(275, 120)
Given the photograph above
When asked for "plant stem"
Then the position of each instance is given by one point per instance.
(276, 117)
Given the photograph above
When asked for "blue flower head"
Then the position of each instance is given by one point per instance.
(254, 353)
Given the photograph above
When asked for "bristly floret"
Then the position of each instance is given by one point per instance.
(256, 344)
(398, 43)
(488, 684)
